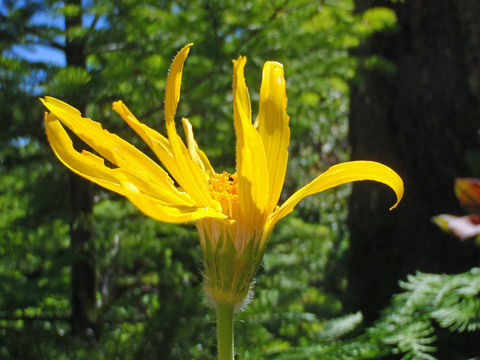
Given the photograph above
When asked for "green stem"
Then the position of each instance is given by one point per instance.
(225, 332)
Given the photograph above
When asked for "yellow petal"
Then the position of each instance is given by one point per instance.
(337, 175)
(174, 83)
(197, 155)
(93, 168)
(162, 212)
(156, 141)
(194, 179)
(85, 163)
(273, 127)
(251, 161)
(113, 148)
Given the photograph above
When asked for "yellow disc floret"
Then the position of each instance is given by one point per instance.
(223, 188)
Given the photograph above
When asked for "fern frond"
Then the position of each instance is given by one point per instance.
(414, 340)
(336, 328)
(461, 316)
(406, 326)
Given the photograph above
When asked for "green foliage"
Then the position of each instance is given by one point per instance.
(291, 300)
(149, 292)
(68, 82)
(409, 326)
(449, 301)
(376, 19)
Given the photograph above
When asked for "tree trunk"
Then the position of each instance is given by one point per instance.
(82, 246)
(421, 120)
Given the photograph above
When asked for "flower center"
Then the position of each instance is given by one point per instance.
(223, 188)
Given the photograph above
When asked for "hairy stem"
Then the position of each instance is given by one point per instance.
(225, 331)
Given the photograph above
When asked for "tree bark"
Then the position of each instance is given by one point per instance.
(82, 246)
(421, 120)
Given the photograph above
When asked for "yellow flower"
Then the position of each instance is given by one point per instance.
(234, 213)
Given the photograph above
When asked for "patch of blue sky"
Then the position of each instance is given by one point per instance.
(48, 17)
(38, 53)
(20, 142)
(34, 52)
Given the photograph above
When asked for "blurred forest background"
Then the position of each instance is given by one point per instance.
(84, 275)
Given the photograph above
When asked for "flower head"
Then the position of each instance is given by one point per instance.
(467, 191)
(234, 213)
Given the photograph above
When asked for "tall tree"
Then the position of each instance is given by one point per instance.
(82, 246)
(419, 112)
(146, 301)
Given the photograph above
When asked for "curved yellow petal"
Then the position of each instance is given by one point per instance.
(252, 168)
(162, 212)
(85, 163)
(93, 168)
(159, 206)
(273, 127)
(114, 148)
(174, 83)
(194, 180)
(197, 155)
(337, 175)
(156, 141)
